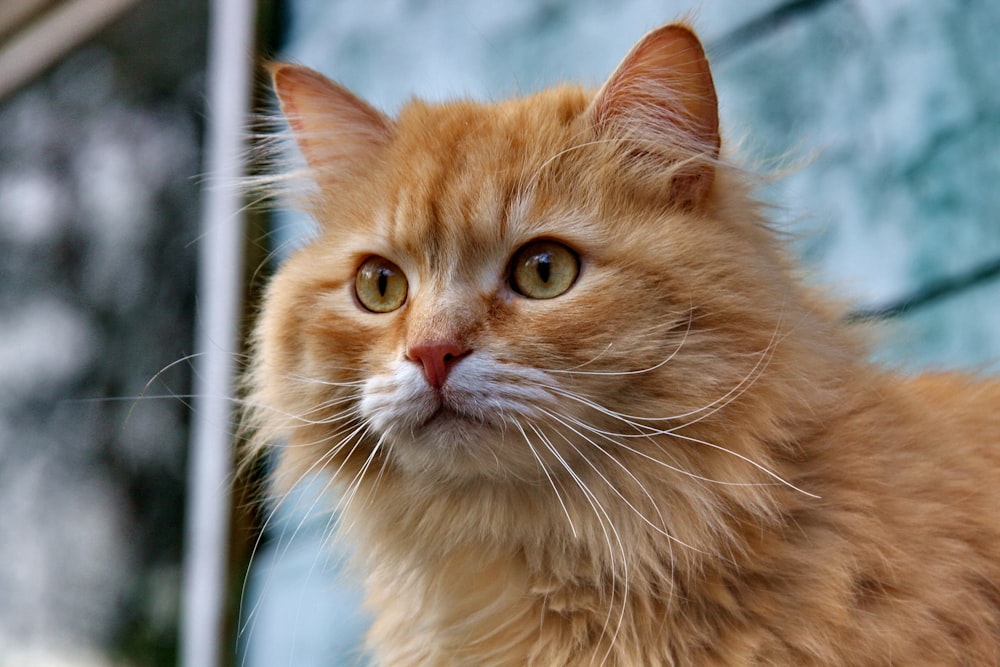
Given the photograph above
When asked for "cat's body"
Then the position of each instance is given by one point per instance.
(582, 410)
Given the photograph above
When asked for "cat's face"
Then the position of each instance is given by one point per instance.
(511, 289)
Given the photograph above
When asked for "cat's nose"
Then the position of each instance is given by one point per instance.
(437, 359)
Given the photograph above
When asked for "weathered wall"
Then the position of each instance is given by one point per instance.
(886, 114)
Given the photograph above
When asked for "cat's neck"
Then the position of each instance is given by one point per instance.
(490, 561)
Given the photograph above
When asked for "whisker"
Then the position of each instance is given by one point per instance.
(548, 476)
(763, 359)
(649, 433)
(763, 469)
(751, 377)
(610, 437)
(613, 488)
(186, 358)
(319, 463)
(602, 514)
(641, 371)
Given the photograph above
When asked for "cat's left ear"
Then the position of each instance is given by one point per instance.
(337, 132)
(661, 101)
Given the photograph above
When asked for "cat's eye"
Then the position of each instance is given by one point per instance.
(380, 285)
(543, 269)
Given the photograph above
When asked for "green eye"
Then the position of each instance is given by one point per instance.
(543, 269)
(380, 285)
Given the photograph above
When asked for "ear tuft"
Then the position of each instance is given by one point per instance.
(662, 99)
(336, 131)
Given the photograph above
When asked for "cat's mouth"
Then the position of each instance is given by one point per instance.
(474, 425)
(447, 412)
(482, 404)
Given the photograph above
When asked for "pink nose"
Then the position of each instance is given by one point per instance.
(437, 359)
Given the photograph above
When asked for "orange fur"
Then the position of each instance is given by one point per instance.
(685, 459)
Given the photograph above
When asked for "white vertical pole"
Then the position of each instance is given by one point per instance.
(219, 290)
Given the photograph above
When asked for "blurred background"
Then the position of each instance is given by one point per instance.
(885, 114)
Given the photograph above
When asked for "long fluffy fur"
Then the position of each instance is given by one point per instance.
(684, 460)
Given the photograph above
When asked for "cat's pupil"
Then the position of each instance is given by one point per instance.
(383, 281)
(543, 263)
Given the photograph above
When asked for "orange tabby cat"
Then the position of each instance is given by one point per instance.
(582, 410)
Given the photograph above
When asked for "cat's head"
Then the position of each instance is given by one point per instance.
(507, 290)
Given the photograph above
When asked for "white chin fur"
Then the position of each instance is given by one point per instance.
(471, 421)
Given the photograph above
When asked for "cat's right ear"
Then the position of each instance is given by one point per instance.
(661, 98)
(337, 132)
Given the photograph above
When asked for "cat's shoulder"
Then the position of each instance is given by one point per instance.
(962, 391)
